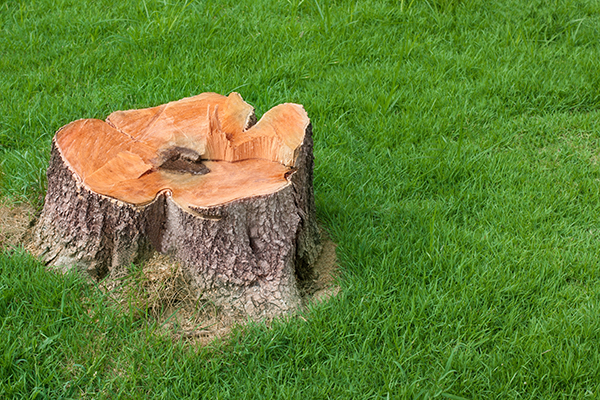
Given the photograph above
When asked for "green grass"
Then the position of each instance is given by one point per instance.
(457, 150)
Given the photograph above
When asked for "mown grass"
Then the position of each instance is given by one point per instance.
(457, 168)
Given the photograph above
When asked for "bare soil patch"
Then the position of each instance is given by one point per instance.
(15, 220)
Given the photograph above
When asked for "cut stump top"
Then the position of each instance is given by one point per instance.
(206, 150)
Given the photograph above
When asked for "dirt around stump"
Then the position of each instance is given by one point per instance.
(160, 290)
(15, 220)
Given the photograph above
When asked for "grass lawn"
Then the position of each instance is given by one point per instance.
(457, 149)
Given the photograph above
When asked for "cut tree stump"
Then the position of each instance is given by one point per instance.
(229, 198)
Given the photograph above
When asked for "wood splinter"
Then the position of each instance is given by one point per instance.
(229, 198)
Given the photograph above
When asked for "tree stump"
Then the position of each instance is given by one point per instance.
(229, 198)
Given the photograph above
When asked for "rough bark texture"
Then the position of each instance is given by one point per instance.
(82, 229)
(245, 255)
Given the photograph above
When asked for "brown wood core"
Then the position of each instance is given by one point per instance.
(183, 161)
(206, 150)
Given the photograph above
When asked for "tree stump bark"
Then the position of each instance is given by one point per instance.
(229, 198)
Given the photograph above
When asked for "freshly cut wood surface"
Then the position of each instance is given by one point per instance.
(123, 158)
(185, 120)
(225, 182)
(89, 144)
(198, 179)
